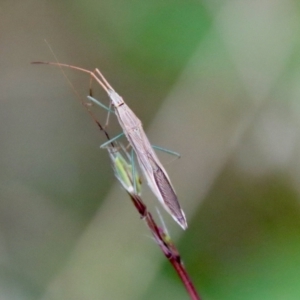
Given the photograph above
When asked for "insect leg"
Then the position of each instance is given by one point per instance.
(166, 150)
(111, 140)
(100, 104)
(133, 171)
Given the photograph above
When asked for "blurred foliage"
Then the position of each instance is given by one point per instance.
(152, 37)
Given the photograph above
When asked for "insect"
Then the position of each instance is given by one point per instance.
(155, 174)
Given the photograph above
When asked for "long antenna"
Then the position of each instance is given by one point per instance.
(85, 104)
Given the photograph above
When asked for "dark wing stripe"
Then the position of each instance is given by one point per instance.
(167, 191)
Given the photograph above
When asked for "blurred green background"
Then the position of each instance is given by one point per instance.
(217, 81)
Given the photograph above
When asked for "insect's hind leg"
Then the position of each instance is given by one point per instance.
(133, 172)
(166, 151)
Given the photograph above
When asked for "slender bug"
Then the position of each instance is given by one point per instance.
(155, 174)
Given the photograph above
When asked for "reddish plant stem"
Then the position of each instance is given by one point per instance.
(167, 247)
